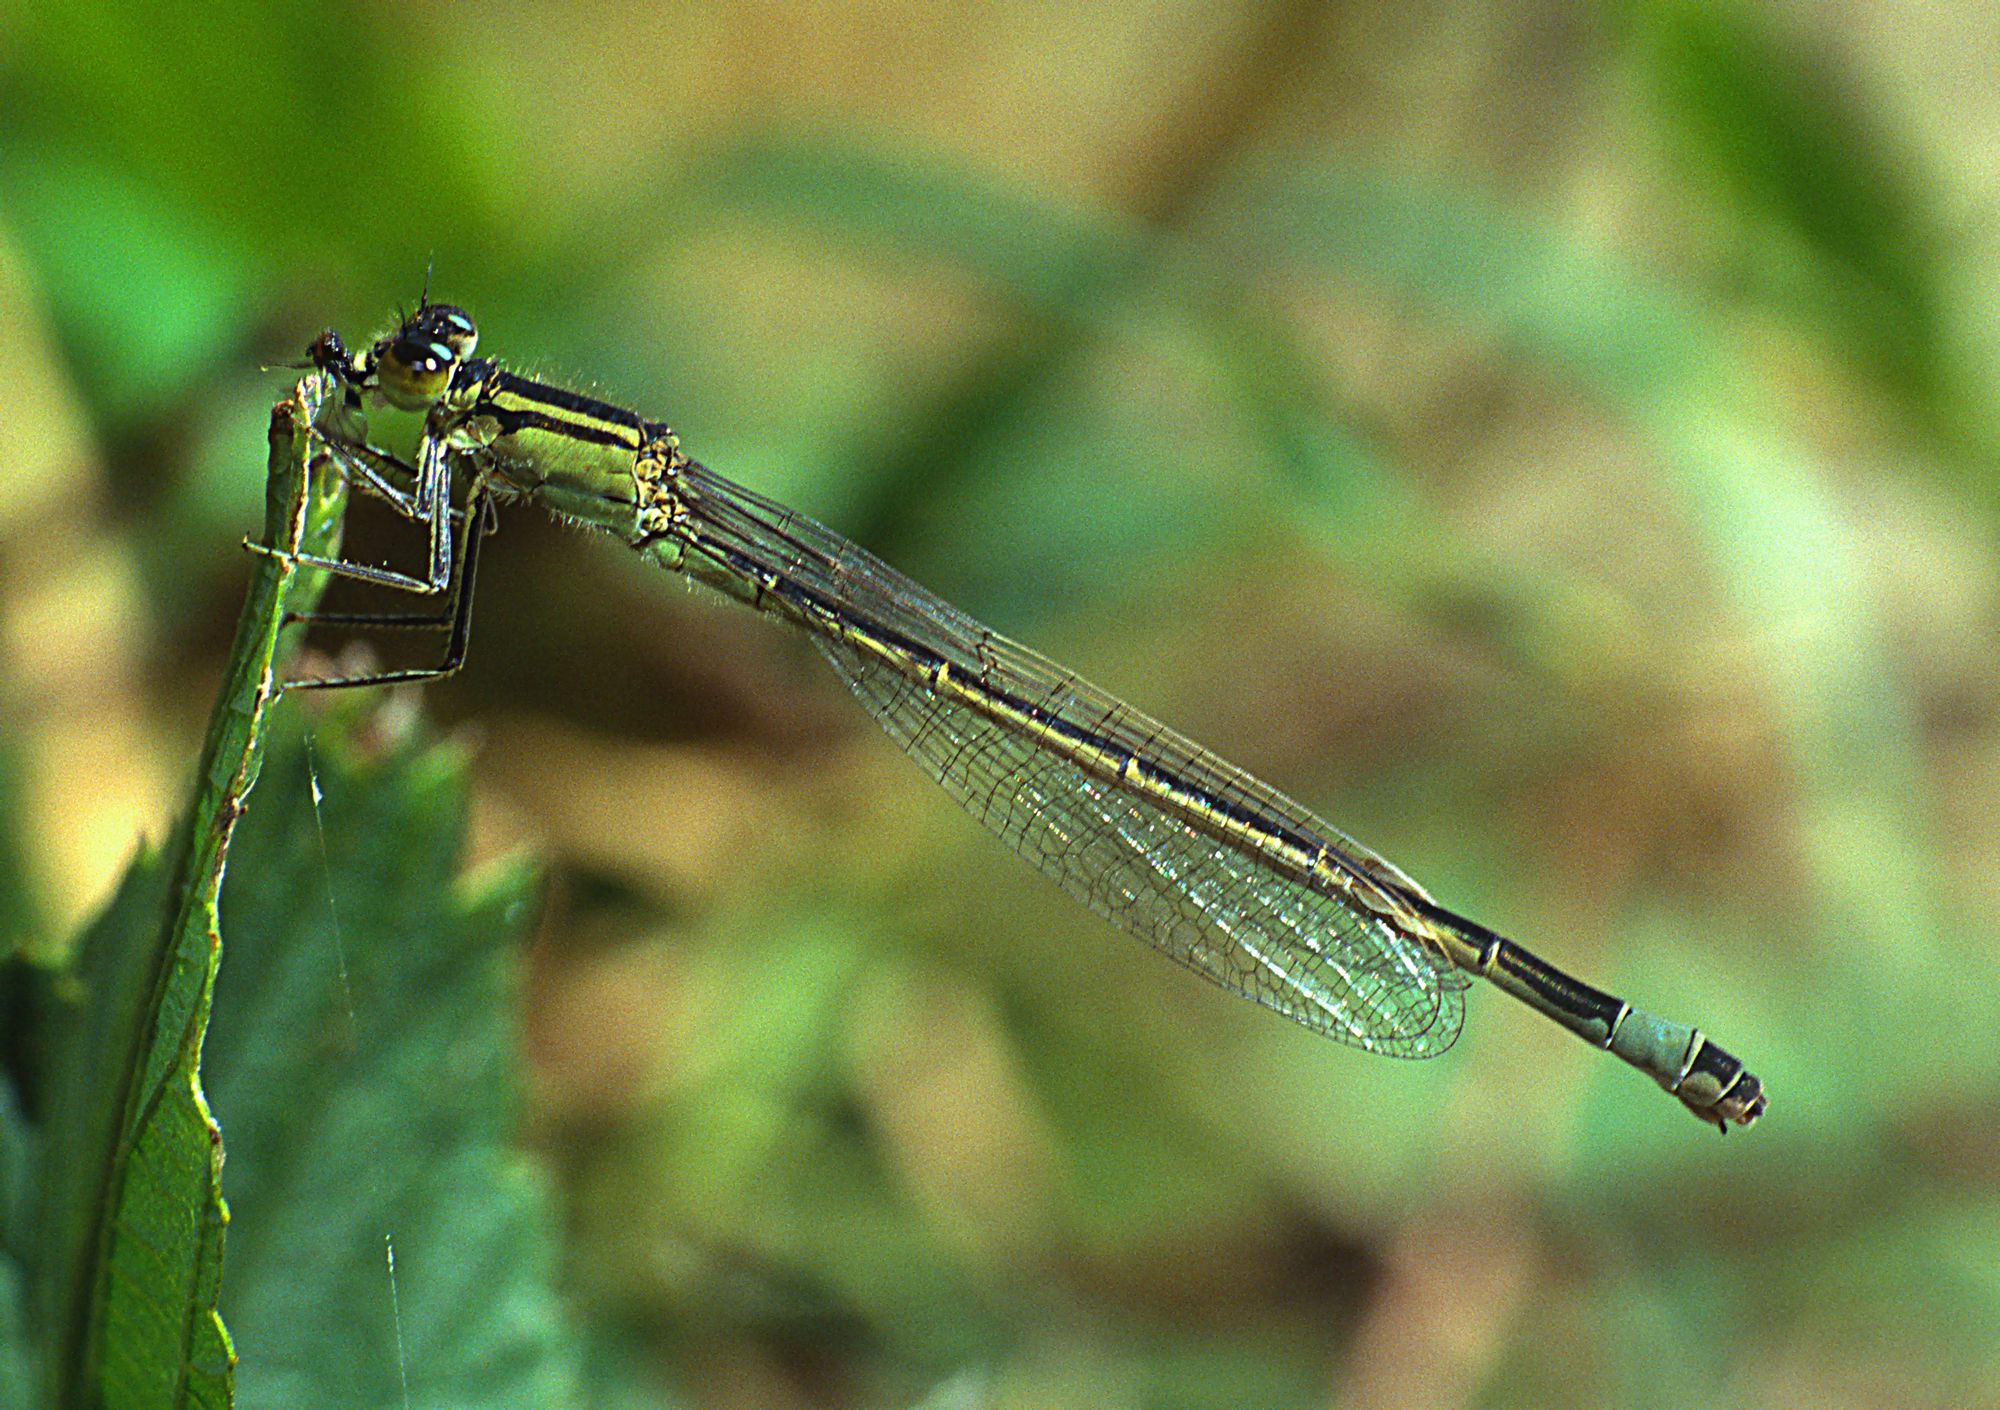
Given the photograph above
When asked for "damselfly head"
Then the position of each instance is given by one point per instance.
(412, 367)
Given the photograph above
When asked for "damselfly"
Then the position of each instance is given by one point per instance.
(1209, 865)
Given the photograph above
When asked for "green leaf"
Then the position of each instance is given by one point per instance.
(21, 919)
(16, 1378)
(127, 1214)
(364, 1054)
(366, 1063)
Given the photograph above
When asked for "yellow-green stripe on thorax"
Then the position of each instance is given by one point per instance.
(576, 456)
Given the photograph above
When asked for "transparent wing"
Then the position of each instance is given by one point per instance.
(1221, 911)
(1222, 914)
(759, 532)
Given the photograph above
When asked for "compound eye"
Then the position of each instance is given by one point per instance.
(414, 368)
(453, 327)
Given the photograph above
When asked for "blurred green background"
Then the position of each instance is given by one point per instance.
(1556, 443)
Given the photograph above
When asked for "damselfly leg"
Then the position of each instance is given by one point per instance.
(451, 568)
